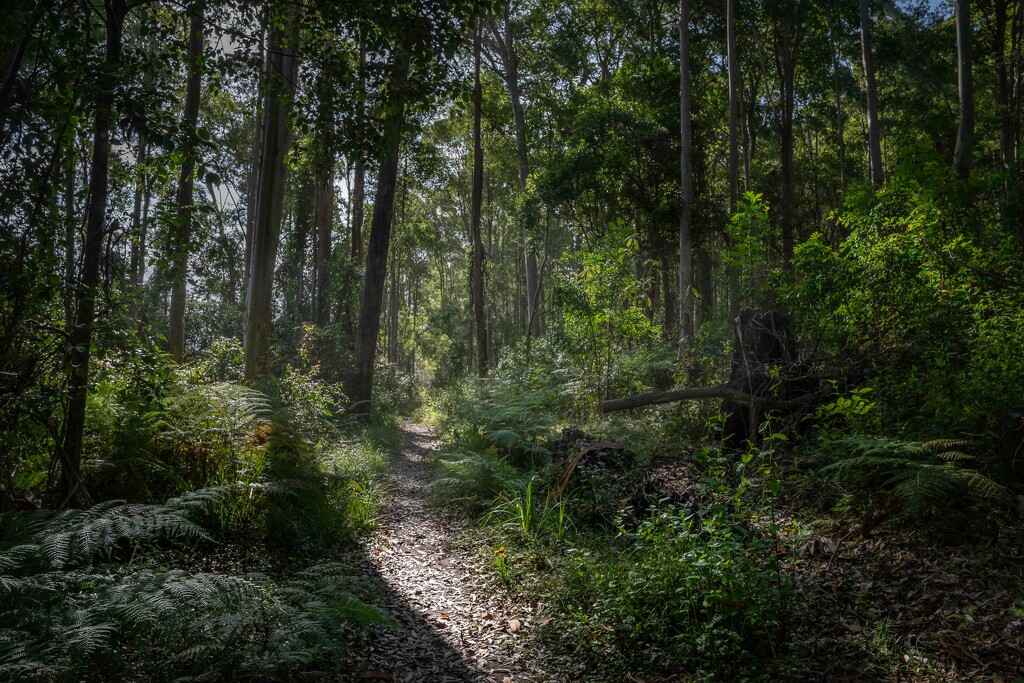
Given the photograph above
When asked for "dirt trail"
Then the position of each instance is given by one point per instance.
(455, 624)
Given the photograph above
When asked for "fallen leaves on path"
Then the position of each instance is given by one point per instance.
(455, 623)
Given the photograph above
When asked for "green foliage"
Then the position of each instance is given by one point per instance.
(603, 303)
(920, 304)
(101, 627)
(925, 482)
(223, 361)
(70, 611)
(501, 415)
(472, 480)
(750, 236)
(518, 509)
(310, 406)
(676, 594)
(395, 391)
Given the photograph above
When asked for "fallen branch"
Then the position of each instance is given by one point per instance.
(563, 481)
(692, 393)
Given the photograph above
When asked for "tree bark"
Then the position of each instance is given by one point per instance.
(685, 182)
(963, 156)
(324, 225)
(734, 105)
(186, 185)
(138, 258)
(394, 299)
(1006, 152)
(476, 202)
(787, 43)
(371, 298)
(840, 121)
(304, 218)
(70, 223)
(72, 487)
(270, 197)
(874, 125)
(733, 270)
(504, 39)
(359, 182)
(253, 180)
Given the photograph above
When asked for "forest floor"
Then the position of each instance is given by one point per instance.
(455, 623)
(883, 608)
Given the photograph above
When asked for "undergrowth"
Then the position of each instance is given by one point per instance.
(674, 590)
(702, 589)
(82, 601)
(233, 576)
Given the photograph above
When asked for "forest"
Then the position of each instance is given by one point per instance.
(517, 341)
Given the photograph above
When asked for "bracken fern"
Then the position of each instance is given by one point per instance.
(922, 479)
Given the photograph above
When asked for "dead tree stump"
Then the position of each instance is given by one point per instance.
(764, 364)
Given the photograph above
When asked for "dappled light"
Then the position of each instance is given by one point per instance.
(512, 341)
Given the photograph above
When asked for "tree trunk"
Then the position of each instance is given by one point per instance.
(1006, 152)
(183, 218)
(72, 487)
(733, 270)
(734, 105)
(137, 260)
(359, 183)
(253, 189)
(371, 298)
(668, 302)
(270, 198)
(324, 225)
(874, 125)
(964, 155)
(685, 182)
(394, 299)
(304, 217)
(787, 41)
(477, 269)
(840, 121)
(505, 40)
(70, 223)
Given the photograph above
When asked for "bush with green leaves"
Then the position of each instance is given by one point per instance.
(923, 302)
(473, 481)
(394, 390)
(313, 408)
(677, 594)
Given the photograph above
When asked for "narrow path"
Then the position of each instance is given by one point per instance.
(455, 625)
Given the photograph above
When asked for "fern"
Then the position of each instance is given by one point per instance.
(472, 479)
(924, 478)
(90, 626)
(73, 537)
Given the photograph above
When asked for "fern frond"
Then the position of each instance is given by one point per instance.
(983, 487)
(924, 476)
(955, 456)
(504, 438)
(943, 445)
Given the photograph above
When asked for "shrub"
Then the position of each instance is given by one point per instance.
(677, 594)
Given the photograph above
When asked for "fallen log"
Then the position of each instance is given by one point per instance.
(722, 391)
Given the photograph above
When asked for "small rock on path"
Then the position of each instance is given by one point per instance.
(454, 625)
